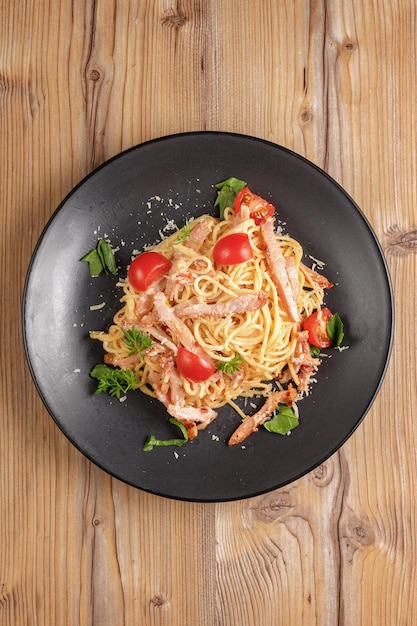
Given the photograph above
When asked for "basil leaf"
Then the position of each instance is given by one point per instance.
(94, 263)
(283, 421)
(228, 190)
(106, 255)
(152, 442)
(101, 258)
(314, 351)
(335, 330)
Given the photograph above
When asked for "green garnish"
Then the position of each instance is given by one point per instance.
(152, 442)
(112, 380)
(314, 351)
(101, 258)
(231, 366)
(94, 263)
(283, 421)
(335, 330)
(184, 233)
(228, 190)
(136, 341)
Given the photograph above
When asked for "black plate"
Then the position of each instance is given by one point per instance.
(131, 199)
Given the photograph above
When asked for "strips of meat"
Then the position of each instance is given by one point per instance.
(302, 352)
(192, 418)
(277, 268)
(199, 233)
(304, 365)
(240, 304)
(151, 330)
(192, 414)
(178, 274)
(292, 274)
(318, 279)
(250, 424)
(166, 382)
(166, 314)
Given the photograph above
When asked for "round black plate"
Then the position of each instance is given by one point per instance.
(132, 199)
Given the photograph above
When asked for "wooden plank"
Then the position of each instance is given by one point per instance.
(335, 82)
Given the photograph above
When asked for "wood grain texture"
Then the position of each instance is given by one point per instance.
(334, 81)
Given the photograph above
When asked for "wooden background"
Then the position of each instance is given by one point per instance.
(334, 81)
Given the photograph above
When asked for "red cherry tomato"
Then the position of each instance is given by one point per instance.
(193, 366)
(316, 325)
(259, 209)
(232, 249)
(146, 269)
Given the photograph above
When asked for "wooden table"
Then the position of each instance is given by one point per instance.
(336, 82)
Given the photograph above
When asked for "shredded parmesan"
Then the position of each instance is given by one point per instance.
(97, 307)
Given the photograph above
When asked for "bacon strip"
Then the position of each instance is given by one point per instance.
(199, 233)
(192, 414)
(240, 304)
(276, 265)
(250, 424)
(166, 314)
(317, 278)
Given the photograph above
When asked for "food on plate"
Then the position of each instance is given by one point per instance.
(225, 308)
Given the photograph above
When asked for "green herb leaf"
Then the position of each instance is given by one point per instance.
(114, 381)
(314, 351)
(335, 330)
(228, 190)
(283, 421)
(153, 442)
(231, 366)
(94, 263)
(106, 255)
(101, 258)
(136, 341)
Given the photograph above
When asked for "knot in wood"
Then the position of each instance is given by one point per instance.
(348, 46)
(402, 241)
(306, 116)
(323, 474)
(360, 534)
(95, 75)
(158, 601)
(173, 18)
(273, 507)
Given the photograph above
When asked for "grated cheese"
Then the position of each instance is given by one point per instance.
(97, 307)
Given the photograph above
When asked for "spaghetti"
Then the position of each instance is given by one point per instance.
(245, 319)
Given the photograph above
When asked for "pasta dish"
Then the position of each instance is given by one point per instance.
(217, 311)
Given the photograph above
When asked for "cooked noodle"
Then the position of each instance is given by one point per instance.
(264, 338)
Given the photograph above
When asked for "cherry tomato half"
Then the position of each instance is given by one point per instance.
(259, 209)
(146, 269)
(232, 249)
(316, 325)
(193, 366)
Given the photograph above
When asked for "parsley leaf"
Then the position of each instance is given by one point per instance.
(136, 341)
(228, 190)
(283, 421)
(114, 381)
(152, 442)
(101, 258)
(335, 330)
(231, 366)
